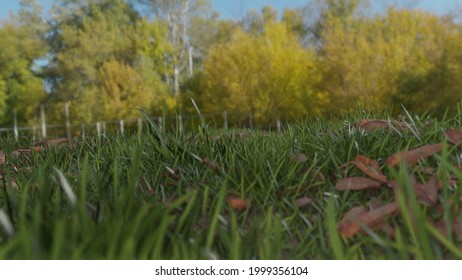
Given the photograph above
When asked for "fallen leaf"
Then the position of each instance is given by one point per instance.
(373, 203)
(393, 184)
(24, 169)
(56, 141)
(427, 170)
(455, 137)
(344, 166)
(371, 219)
(19, 152)
(299, 157)
(452, 182)
(370, 125)
(456, 229)
(427, 193)
(349, 225)
(171, 174)
(370, 167)
(2, 157)
(357, 183)
(37, 149)
(211, 164)
(388, 229)
(14, 184)
(413, 156)
(318, 174)
(303, 202)
(236, 203)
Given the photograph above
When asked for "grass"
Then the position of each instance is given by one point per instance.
(150, 196)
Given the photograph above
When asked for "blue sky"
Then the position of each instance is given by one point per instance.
(235, 8)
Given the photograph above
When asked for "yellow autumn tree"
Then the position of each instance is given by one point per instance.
(122, 92)
(384, 60)
(268, 74)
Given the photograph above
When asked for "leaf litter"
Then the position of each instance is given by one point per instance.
(426, 192)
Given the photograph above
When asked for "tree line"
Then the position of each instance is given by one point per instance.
(109, 58)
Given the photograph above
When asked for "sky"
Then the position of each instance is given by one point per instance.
(234, 9)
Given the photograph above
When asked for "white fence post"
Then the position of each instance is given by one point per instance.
(44, 125)
(191, 73)
(104, 129)
(15, 120)
(121, 125)
(140, 124)
(98, 129)
(159, 120)
(278, 124)
(180, 124)
(83, 132)
(34, 129)
(225, 120)
(68, 122)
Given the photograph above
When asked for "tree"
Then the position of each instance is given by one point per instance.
(270, 75)
(21, 88)
(93, 41)
(387, 59)
(123, 91)
(177, 14)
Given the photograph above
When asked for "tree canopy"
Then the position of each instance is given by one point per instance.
(109, 58)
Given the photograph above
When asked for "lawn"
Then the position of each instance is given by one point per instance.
(238, 194)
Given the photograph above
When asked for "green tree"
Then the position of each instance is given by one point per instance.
(176, 15)
(92, 39)
(22, 44)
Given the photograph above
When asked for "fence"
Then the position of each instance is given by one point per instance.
(182, 122)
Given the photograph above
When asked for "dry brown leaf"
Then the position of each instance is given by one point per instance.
(456, 229)
(372, 219)
(413, 156)
(427, 170)
(373, 203)
(50, 142)
(349, 225)
(427, 193)
(370, 167)
(300, 157)
(2, 157)
(375, 218)
(357, 183)
(56, 141)
(24, 169)
(344, 166)
(303, 202)
(14, 184)
(19, 152)
(318, 175)
(237, 203)
(393, 184)
(211, 164)
(37, 149)
(370, 125)
(388, 229)
(455, 137)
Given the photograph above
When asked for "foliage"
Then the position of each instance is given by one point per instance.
(389, 59)
(326, 57)
(21, 88)
(268, 74)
